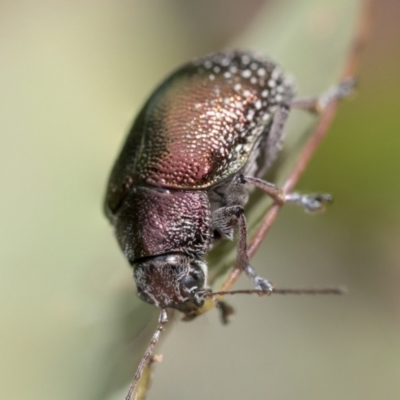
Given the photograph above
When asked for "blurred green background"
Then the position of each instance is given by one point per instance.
(72, 76)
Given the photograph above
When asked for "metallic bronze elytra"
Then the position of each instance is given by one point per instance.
(200, 126)
(201, 141)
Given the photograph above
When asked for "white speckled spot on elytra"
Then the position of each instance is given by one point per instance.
(250, 115)
(246, 73)
(264, 93)
(245, 59)
(233, 69)
(261, 72)
(239, 105)
(265, 116)
(226, 61)
(275, 73)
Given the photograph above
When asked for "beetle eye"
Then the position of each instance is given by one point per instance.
(190, 282)
(194, 280)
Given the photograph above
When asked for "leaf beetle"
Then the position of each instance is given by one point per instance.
(203, 139)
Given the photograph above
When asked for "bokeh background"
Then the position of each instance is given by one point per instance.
(72, 76)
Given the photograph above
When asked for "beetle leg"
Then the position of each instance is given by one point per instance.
(318, 104)
(310, 202)
(162, 320)
(225, 220)
(260, 283)
(229, 217)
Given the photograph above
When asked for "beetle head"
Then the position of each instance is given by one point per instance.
(172, 280)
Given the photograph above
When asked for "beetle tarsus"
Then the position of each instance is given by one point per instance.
(318, 104)
(311, 203)
(263, 286)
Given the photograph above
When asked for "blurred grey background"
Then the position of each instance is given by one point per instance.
(72, 76)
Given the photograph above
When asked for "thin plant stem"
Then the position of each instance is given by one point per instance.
(320, 131)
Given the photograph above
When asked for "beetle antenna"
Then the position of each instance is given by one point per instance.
(162, 320)
(336, 291)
